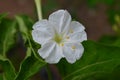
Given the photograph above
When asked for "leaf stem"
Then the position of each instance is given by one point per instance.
(39, 8)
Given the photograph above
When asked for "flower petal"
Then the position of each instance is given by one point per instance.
(61, 19)
(42, 31)
(46, 49)
(41, 25)
(73, 51)
(44, 25)
(77, 37)
(55, 55)
(76, 27)
(41, 37)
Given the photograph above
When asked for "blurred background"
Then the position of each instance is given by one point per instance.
(93, 14)
(98, 17)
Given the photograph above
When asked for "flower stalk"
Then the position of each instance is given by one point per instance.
(39, 8)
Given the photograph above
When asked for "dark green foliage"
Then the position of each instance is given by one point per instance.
(32, 63)
(8, 30)
(98, 63)
(7, 36)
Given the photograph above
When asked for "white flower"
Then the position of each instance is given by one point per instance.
(59, 37)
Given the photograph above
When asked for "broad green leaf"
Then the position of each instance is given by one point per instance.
(2, 16)
(8, 30)
(32, 63)
(1, 76)
(99, 62)
(7, 36)
(110, 40)
(8, 69)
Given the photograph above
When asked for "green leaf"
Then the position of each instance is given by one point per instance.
(7, 36)
(29, 66)
(8, 69)
(25, 26)
(110, 40)
(1, 76)
(8, 30)
(98, 62)
(2, 16)
(32, 63)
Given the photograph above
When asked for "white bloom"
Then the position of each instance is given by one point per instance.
(59, 37)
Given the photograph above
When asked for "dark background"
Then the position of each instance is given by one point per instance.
(94, 19)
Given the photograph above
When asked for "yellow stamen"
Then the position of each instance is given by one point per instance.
(57, 38)
(62, 44)
(71, 31)
(67, 37)
(73, 47)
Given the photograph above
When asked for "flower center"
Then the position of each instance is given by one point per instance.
(58, 38)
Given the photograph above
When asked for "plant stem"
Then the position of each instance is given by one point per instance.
(49, 72)
(39, 8)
